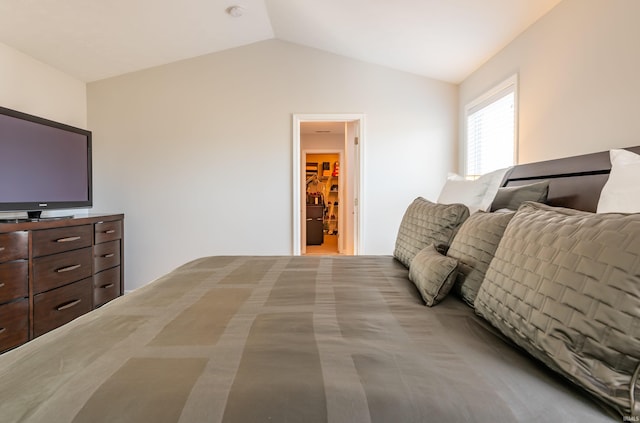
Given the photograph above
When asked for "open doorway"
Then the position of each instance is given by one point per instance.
(323, 197)
(341, 135)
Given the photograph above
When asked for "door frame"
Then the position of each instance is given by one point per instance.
(358, 174)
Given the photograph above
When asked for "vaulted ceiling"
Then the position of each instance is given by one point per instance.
(96, 39)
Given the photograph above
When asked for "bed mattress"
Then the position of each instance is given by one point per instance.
(283, 339)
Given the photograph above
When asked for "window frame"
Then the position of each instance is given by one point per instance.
(488, 97)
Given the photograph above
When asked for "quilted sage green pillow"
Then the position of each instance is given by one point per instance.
(433, 274)
(473, 247)
(512, 197)
(565, 286)
(427, 223)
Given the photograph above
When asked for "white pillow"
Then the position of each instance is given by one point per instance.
(621, 193)
(476, 195)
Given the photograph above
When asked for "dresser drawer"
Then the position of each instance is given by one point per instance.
(51, 241)
(59, 306)
(14, 246)
(14, 324)
(108, 231)
(13, 280)
(106, 286)
(106, 255)
(59, 269)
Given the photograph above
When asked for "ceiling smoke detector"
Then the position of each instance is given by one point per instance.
(235, 11)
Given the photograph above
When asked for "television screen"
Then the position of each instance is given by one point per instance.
(43, 164)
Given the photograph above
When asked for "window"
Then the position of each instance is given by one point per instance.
(490, 139)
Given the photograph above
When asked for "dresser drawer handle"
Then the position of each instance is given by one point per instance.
(69, 268)
(2, 329)
(69, 304)
(108, 255)
(68, 239)
(1, 248)
(1, 284)
(107, 286)
(110, 231)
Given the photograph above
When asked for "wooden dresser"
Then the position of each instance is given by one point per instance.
(53, 271)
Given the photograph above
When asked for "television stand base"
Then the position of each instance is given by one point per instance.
(34, 214)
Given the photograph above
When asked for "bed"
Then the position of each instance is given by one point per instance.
(297, 339)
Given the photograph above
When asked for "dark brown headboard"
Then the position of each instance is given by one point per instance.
(574, 182)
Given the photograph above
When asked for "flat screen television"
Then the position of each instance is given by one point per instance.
(44, 165)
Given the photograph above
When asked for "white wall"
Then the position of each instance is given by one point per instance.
(579, 86)
(198, 153)
(322, 142)
(33, 87)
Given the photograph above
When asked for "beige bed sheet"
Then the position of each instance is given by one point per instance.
(282, 339)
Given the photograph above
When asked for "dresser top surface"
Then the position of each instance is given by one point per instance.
(47, 223)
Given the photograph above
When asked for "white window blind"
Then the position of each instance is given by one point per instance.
(491, 130)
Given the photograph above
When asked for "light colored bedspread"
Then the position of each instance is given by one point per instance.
(282, 339)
